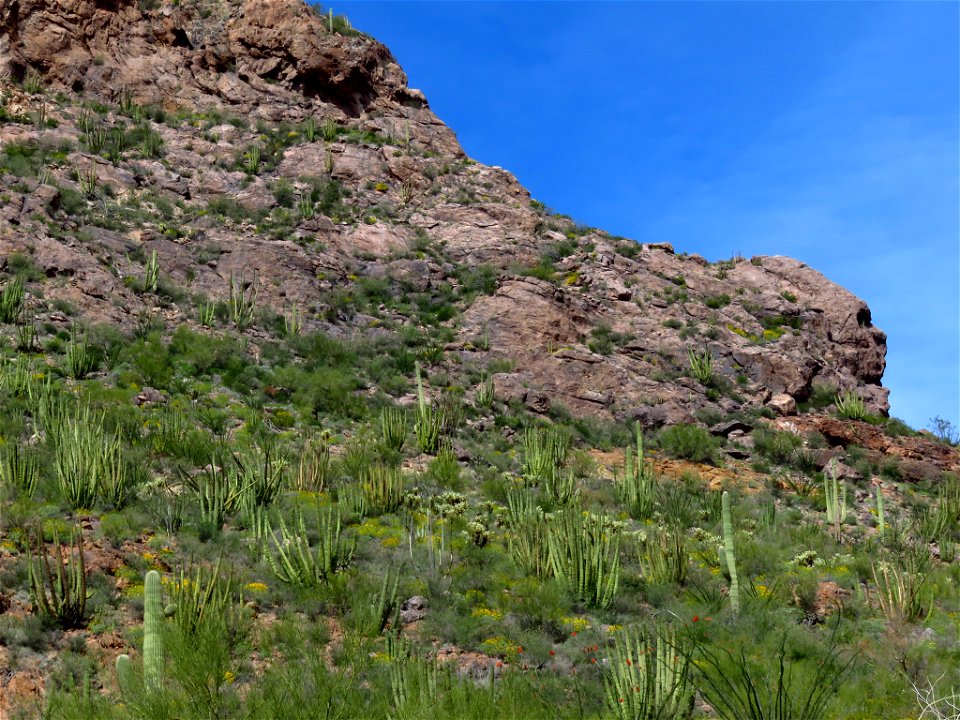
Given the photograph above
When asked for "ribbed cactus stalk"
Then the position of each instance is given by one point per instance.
(728, 553)
(835, 496)
(124, 673)
(152, 641)
(430, 420)
(635, 489)
(880, 518)
(647, 676)
(585, 554)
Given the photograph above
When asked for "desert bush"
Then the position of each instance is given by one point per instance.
(689, 442)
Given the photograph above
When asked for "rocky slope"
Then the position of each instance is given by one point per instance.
(234, 137)
(261, 156)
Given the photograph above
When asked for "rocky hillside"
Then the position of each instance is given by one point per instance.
(307, 414)
(248, 138)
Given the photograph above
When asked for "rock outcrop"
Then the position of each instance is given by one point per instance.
(272, 146)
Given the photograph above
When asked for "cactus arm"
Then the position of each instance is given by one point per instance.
(124, 673)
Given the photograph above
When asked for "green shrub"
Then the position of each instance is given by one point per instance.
(23, 266)
(778, 446)
(603, 339)
(821, 395)
(895, 427)
(445, 470)
(324, 391)
(151, 359)
(689, 442)
(479, 280)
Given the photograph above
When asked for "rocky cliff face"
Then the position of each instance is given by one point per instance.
(248, 137)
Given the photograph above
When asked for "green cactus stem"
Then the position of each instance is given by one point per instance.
(152, 641)
(880, 518)
(124, 673)
(729, 554)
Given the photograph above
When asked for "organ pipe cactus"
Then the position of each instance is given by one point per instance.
(293, 560)
(527, 534)
(585, 554)
(728, 554)
(151, 278)
(430, 420)
(58, 589)
(648, 676)
(663, 556)
(544, 452)
(835, 496)
(635, 488)
(393, 428)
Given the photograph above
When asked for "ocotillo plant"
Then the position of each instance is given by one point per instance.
(728, 555)
(635, 488)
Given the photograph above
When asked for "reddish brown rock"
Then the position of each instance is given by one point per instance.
(606, 331)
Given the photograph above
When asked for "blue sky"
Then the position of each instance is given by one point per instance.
(823, 131)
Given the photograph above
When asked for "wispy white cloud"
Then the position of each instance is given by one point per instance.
(866, 190)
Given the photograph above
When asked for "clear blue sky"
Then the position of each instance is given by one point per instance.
(823, 131)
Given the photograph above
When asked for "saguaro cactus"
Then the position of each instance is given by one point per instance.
(153, 614)
(728, 553)
(152, 642)
(124, 673)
